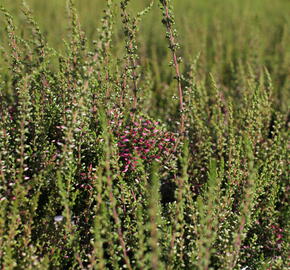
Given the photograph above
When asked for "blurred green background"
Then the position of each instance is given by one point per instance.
(228, 34)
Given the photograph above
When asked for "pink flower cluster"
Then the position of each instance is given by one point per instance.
(278, 232)
(142, 139)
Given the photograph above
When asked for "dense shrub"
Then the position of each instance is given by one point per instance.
(109, 159)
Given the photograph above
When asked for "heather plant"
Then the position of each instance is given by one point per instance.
(115, 154)
(171, 34)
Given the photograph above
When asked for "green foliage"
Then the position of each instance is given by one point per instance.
(208, 137)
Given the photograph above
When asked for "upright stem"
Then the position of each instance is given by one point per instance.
(130, 29)
(168, 21)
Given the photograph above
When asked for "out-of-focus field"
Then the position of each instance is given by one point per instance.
(226, 34)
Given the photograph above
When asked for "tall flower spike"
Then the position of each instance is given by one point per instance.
(168, 21)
